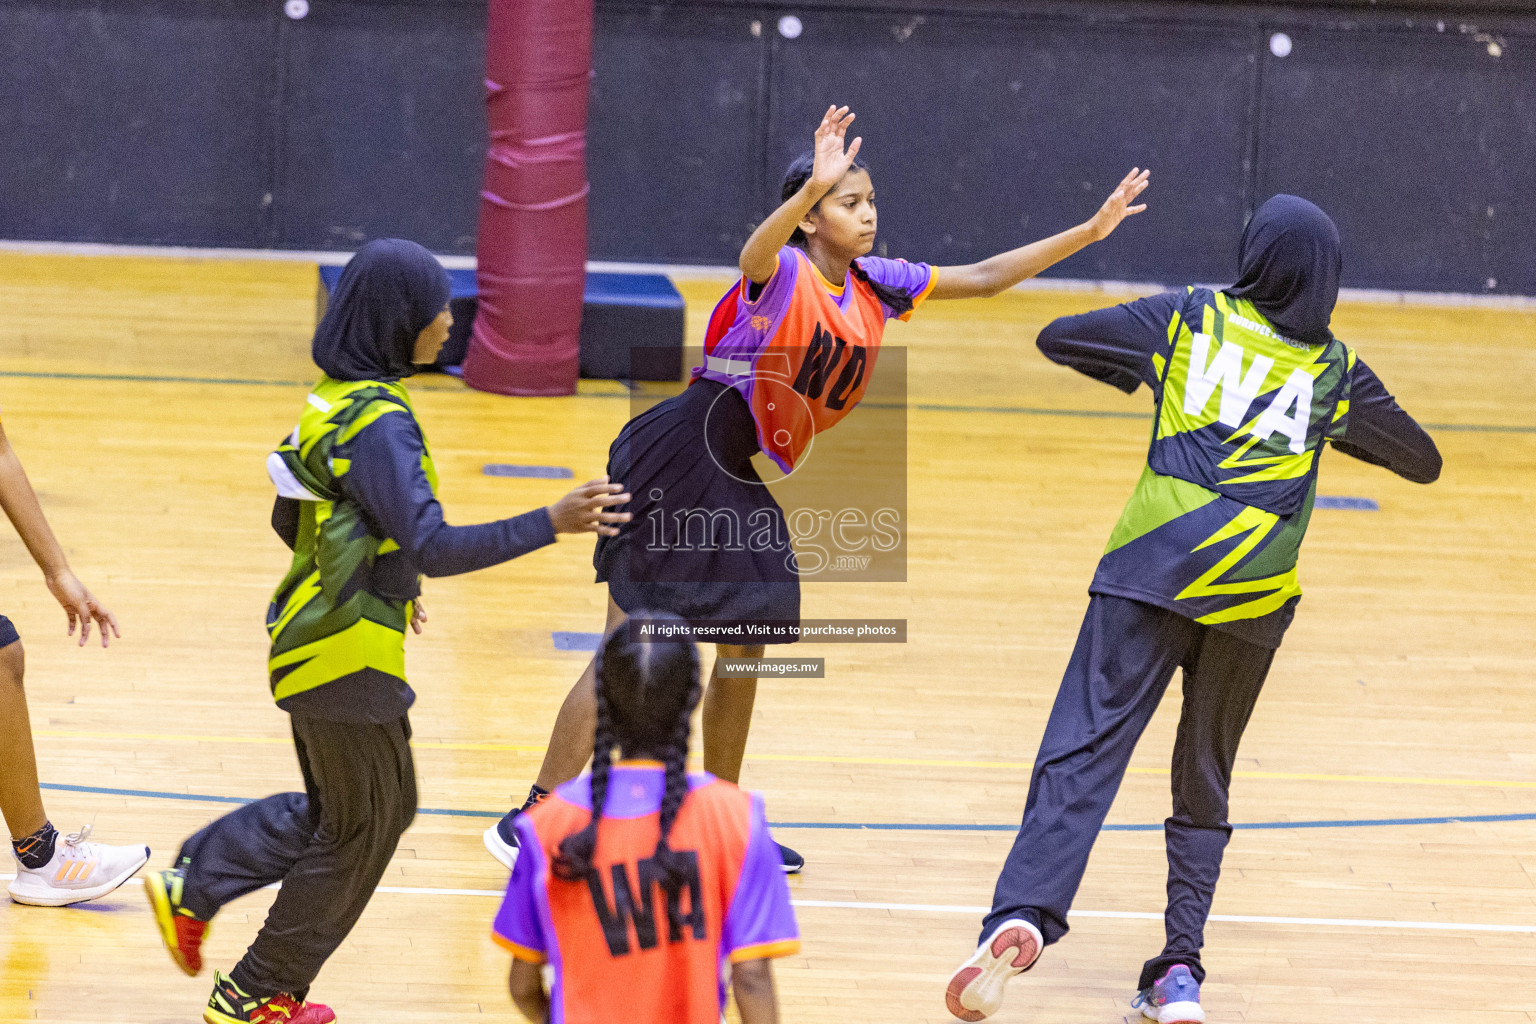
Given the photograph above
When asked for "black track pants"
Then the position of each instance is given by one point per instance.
(1125, 657)
(328, 846)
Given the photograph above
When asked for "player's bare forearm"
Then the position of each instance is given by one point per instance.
(1003, 271)
(527, 984)
(21, 507)
(752, 982)
(760, 256)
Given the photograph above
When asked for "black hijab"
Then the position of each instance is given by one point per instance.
(1289, 263)
(387, 294)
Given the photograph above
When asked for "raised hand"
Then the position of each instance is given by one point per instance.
(81, 606)
(582, 511)
(831, 162)
(1117, 207)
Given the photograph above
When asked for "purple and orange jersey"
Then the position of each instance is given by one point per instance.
(801, 354)
(624, 946)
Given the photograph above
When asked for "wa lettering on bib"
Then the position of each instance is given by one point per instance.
(1242, 409)
(1214, 528)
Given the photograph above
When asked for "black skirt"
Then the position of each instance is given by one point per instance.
(707, 541)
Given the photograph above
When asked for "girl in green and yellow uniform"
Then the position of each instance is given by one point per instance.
(356, 503)
(1249, 385)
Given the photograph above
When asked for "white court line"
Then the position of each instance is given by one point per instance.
(1113, 915)
(411, 890)
(1128, 915)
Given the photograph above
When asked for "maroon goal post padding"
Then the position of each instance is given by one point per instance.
(533, 209)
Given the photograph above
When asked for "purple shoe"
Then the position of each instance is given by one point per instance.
(1173, 999)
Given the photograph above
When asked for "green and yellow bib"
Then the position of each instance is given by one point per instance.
(1214, 528)
(327, 623)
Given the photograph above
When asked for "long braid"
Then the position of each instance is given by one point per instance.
(672, 865)
(577, 849)
(645, 695)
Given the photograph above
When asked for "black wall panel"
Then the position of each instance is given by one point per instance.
(1418, 143)
(986, 134)
(987, 123)
(1506, 147)
(675, 133)
(384, 125)
(136, 121)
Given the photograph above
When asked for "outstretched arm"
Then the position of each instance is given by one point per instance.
(1001, 272)
(1119, 345)
(1378, 431)
(387, 480)
(20, 504)
(760, 256)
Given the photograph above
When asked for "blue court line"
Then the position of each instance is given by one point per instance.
(1015, 410)
(1327, 501)
(1110, 414)
(145, 378)
(153, 794)
(538, 472)
(1479, 427)
(576, 641)
(154, 379)
(882, 826)
(1158, 827)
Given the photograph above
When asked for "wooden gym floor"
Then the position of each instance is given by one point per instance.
(144, 394)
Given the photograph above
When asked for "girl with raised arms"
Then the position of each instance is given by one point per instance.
(806, 316)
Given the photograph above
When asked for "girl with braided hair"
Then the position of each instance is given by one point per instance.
(789, 352)
(639, 882)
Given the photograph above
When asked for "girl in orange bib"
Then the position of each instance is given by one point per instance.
(788, 353)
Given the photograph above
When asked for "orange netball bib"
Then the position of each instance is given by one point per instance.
(802, 353)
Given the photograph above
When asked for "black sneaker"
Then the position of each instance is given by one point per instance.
(501, 840)
(791, 860)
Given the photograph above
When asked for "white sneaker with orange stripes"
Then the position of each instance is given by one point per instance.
(80, 870)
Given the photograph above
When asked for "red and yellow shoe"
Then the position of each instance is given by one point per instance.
(230, 1004)
(182, 933)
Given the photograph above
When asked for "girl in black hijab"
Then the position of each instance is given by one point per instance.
(1291, 258)
(1199, 575)
(389, 294)
(356, 502)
